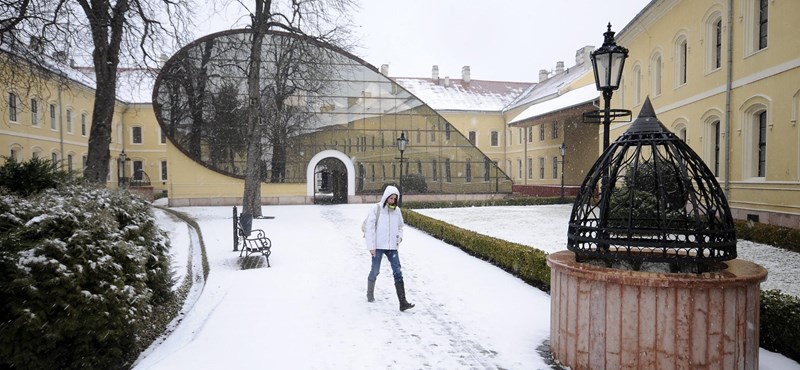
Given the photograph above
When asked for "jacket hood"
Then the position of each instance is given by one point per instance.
(387, 192)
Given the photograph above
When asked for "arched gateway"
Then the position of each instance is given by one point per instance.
(331, 177)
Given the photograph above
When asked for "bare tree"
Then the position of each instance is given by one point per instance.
(106, 33)
(322, 20)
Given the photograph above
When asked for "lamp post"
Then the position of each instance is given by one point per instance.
(122, 158)
(563, 149)
(401, 144)
(607, 63)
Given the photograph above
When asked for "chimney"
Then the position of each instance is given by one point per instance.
(465, 74)
(446, 81)
(543, 74)
(435, 74)
(559, 67)
(583, 54)
(385, 69)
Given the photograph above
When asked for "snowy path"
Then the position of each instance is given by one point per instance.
(309, 310)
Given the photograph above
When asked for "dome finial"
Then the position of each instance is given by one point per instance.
(647, 120)
(647, 108)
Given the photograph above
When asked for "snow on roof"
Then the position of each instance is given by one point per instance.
(571, 98)
(551, 86)
(476, 95)
(135, 86)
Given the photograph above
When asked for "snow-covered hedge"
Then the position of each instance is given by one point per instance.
(80, 270)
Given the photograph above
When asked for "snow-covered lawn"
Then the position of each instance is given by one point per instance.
(545, 228)
(308, 311)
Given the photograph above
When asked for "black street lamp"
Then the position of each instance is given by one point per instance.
(607, 63)
(121, 181)
(401, 144)
(563, 149)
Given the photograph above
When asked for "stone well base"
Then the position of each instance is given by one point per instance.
(604, 318)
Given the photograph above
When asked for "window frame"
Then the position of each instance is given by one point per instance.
(84, 124)
(52, 110)
(69, 120)
(656, 74)
(13, 107)
(134, 135)
(555, 128)
(35, 112)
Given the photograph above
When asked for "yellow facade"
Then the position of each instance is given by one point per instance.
(681, 57)
(704, 64)
(50, 118)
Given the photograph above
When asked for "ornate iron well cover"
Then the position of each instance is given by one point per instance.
(658, 203)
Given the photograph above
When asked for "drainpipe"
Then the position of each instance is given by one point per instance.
(61, 126)
(728, 78)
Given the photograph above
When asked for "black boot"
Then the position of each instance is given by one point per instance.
(401, 296)
(370, 290)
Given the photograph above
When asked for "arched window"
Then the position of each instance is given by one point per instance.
(681, 60)
(679, 128)
(69, 120)
(712, 36)
(655, 75)
(756, 23)
(16, 152)
(755, 125)
(12, 106)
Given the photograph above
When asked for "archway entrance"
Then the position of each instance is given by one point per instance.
(330, 182)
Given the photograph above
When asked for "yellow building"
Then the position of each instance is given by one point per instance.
(724, 76)
(47, 114)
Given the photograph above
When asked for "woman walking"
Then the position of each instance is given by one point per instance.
(383, 234)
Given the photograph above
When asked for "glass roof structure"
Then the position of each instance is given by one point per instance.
(313, 97)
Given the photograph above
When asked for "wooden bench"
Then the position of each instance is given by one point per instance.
(248, 239)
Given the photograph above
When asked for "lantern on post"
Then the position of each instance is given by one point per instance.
(607, 63)
(401, 145)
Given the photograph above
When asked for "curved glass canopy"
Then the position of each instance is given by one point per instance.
(313, 97)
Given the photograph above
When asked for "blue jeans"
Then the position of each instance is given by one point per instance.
(394, 260)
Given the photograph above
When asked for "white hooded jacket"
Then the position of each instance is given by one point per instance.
(385, 232)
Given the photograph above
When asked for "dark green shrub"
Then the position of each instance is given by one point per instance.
(414, 183)
(26, 178)
(515, 201)
(776, 236)
(81, 268)
(780, 321)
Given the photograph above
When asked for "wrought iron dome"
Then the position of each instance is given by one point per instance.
(657, 202)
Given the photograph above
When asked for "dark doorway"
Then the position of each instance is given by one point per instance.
(330, 182)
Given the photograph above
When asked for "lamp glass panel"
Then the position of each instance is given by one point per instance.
(602, 70)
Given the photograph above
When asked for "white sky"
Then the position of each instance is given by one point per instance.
(506, 40)
(309, 310)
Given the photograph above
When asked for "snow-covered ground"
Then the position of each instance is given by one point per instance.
(309, 309)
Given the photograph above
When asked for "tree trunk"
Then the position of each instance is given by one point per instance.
(107, 35)
(252, 183)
